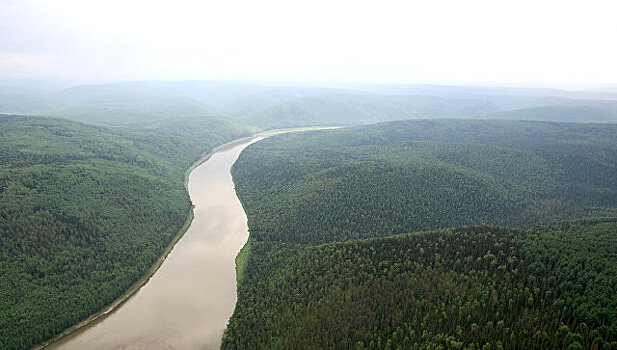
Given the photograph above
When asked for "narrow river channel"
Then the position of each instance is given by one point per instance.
(188, 301)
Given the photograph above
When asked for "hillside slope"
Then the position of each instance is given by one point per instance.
(480, 287)
(579, 114)
(416, 175)
(85, 211)
(350, 109)
(315, 202)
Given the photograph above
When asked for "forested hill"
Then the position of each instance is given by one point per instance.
(358, 108)
(416, 175)
(85, 211)
(467, 288)
(315, 274)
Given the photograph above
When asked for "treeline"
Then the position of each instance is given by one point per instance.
(84, 212)
(481, 287)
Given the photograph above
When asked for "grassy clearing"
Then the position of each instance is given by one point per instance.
(241, 260)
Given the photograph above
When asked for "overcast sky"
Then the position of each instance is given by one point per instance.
(556, 43)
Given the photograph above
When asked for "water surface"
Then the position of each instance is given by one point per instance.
(188, 301)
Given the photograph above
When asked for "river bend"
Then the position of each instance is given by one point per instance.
(189, 300)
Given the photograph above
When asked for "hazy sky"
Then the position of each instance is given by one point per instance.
(560, 43)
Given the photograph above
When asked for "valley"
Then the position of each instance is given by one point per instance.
(412, 226)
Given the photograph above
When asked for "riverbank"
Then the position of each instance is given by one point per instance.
(102, 314)
(243, 254)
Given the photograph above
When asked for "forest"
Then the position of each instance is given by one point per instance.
(430, 234)
(474, 287)
(85, 211)
(308, 175)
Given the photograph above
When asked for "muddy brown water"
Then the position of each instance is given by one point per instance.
(188, 301)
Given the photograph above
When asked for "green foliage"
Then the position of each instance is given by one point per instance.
(452, 288)
(327, 269)
(84, 212)
(417, 175)
(241, 260)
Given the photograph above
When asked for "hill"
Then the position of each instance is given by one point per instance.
(416, 175)
(85, 211)
(579, 114)
(317, 202)
(270, 105)
(472, 288)
(350, 109)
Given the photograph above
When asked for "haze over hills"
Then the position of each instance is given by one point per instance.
(269, 105)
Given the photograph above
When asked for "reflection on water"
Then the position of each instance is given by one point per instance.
(188, 301)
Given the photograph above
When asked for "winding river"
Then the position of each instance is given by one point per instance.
(188, 301)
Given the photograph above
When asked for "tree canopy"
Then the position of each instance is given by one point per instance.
(520, 253)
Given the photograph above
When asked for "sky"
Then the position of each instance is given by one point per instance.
(567, 44)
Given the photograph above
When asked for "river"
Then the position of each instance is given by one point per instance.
(189, 300)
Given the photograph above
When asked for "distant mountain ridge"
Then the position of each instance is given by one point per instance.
(275, 106)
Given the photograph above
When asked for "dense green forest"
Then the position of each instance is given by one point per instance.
(85, 211)
(481, 287)
(317, 273)
(407, 176)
